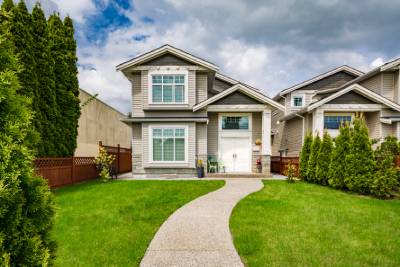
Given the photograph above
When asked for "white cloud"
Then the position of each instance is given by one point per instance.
(377, 62)
(76, 9)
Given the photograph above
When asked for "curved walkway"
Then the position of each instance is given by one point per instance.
(198, 233)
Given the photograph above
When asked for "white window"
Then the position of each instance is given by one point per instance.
(168, 144)
(297, 101)
(168, 85)
(333, 122)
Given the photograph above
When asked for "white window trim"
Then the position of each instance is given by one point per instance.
(303, 96)
(168, 70)
(168, 126)
(220, 115)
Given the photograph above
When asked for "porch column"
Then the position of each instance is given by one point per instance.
(318, 122)
(266, 132)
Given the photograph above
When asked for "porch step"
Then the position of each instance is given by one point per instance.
(238, 175)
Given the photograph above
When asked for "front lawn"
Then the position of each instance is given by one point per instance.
(111, 224)
(309, 225)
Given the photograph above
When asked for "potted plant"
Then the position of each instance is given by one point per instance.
(259, 165)
(200, 168)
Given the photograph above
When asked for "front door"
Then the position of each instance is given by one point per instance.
(235, 154)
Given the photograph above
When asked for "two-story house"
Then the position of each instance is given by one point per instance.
(324, 102)
(183, 110)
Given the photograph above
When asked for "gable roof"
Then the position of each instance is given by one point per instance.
(344, 68)
(388, 66)
(243, 89)
(163, 50)
(362, 91)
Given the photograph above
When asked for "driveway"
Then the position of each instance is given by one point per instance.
(198, 233)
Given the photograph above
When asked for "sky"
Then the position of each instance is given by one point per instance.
(270, 45)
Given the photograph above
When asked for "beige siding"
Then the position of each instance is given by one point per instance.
(100, 122)
(137, 148)
(373, 124)
(145, 88)
(256, 126)
(276, 141)
(191, 147)
(388, 85)
(212, 134)
(293, 136)
(374, 83)
(201, 87)
(201, 139)
(388, 130)
(396, 87)
(192, 87)
(137, 97)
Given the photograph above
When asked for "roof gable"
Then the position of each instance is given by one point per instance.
(352, 97)
(344, 69)
(243, 89)
(153, 54)
(237, 98)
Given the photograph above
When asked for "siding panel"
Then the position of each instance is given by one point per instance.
(201, 86)
(374, 83)
(388, 85)
(137, 97)
(212, 134)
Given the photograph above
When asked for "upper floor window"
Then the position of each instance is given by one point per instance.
(297, 101)
(333, 122)
(168, 88)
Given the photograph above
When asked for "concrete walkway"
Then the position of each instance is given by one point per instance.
(198, 233)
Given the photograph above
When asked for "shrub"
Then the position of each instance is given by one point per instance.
(324, 159)
(291, 172)
(304, 156)
(385, 179)
(338, 166)
(388, 148)
(26, 203)
(312, 162)
(360, 160)
(104, 161)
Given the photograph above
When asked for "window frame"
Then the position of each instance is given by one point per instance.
(351, 115)
(220, 118)
(302, 100)
(163, 126)
(168, 71)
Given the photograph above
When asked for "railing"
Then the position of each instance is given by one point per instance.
(280, 164)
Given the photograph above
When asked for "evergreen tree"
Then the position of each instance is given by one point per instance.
(26, 204)
(385, 179)
(73, 111)
(312, 162)
(338, 167)
(324, 159)
(7, 5)
(45, 100)
(304, 156)
(360, 160)
(57, 48)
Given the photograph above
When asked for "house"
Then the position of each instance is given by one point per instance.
(99, 122)
(184, 110)
(323, 102)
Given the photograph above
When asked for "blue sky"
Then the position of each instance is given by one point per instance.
(268, 44)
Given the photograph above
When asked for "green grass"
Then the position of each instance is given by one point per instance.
(111, 224)
(309, 225)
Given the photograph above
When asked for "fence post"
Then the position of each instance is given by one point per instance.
(118, 154)
(73, 170)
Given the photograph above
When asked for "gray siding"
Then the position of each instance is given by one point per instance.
(201, 87)
(212, 134)
(388, 85)
(167, 60)
(374, 83)
(220, 85)
(293, 136)
(137, 148)
(373, 124)
(137, 97)
(351, 98)
(276, 140)
(237, 98)
(396, 87)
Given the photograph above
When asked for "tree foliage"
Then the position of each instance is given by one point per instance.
(360, 159)
(338, 167)
(312, 162)
(324, 159)
(26, 204)
(304, 156)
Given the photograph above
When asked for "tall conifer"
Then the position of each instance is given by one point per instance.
(304, 156)
(312, 162)
(324, 159)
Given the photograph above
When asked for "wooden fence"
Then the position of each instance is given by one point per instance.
(280, 164)
(123, 157)
(65, 171)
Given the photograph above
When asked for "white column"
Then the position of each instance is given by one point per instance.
(318, 122)
(398, 130)
(266, 132)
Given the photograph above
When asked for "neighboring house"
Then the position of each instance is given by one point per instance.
(325, 101)
(100, 122)
(183, 110)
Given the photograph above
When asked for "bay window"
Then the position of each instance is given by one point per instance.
(169, 144)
